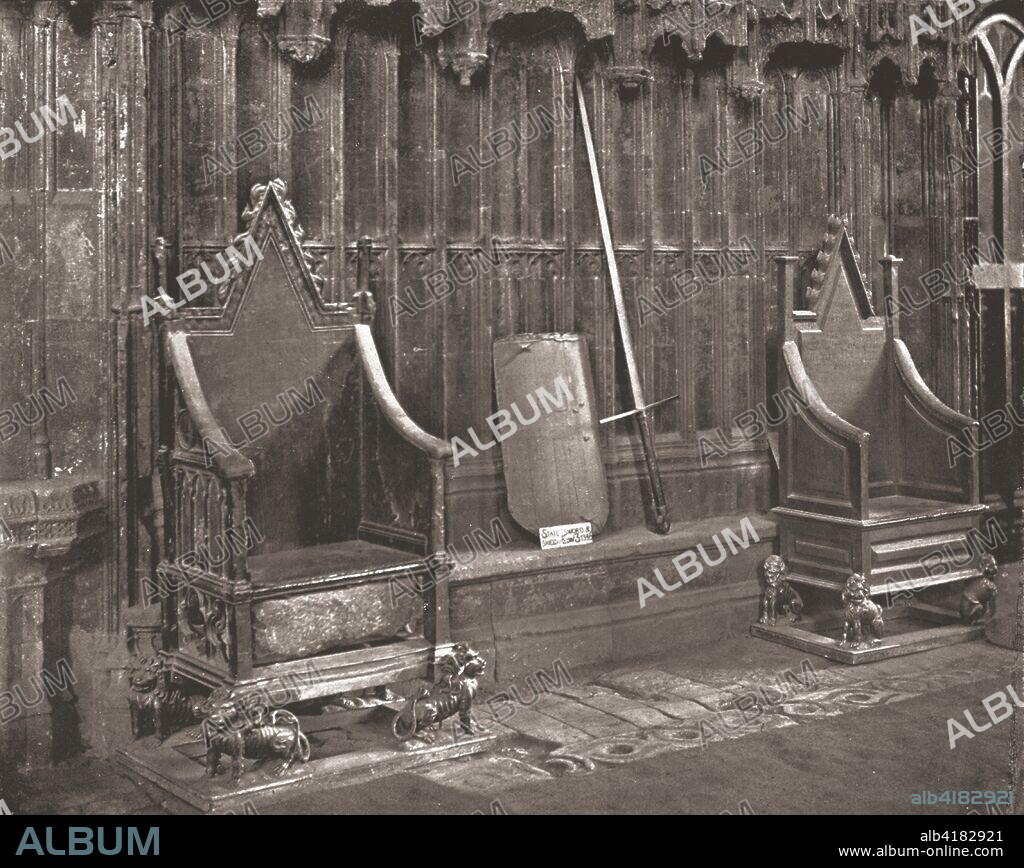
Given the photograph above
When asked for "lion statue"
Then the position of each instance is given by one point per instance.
(778, 592)
(453, 694)
(153, 705)
(860, 609)
(230, 727)
(978, 599)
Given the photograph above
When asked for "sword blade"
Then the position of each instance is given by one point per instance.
(609, 251)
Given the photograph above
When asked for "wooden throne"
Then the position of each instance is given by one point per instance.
(281, 547)
(865, 484)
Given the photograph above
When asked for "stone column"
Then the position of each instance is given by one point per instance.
(122, 31)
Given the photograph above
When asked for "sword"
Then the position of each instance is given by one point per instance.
(641, 409)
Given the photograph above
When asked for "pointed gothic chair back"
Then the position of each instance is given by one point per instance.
(283, 389)
(269, 491)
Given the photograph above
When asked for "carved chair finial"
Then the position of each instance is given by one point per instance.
(833, 229)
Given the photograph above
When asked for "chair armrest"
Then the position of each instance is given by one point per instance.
(407, 429)
(945, 417)
(929, 429)
(818, 409)
(227, 461)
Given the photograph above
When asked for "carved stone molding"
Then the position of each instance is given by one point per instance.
(110, 10)
(628, 47)
(45, 518)
(303, 48)
(304, 27)
(630, 78)
(462, 46)
(466, 64)
(269, 8)
(690, 23)
(813, 22)
(749, 88)
(595, 17)
(462, 36)
(44, 528)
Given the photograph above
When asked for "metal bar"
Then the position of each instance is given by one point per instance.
(662, 521)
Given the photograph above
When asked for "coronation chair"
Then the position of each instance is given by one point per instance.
(865, 482)
(287, 531)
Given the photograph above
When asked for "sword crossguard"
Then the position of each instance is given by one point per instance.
(637, 411)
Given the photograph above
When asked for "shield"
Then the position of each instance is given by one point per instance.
(554, 473)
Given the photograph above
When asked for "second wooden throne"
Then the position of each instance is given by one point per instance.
(866, 484)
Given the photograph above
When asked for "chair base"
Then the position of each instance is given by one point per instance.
(323, 675)
(895, 548)
(910, 630)
(347, 747)
(317, 621)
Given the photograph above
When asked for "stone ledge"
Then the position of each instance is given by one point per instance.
(524, 559)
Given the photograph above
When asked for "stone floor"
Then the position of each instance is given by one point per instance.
(566, 726)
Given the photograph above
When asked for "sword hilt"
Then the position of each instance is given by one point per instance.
(659, 506)
(662, 521)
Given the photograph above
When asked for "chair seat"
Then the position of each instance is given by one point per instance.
(895, 507)
(323, 566)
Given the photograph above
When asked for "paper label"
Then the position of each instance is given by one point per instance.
(562, 535)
